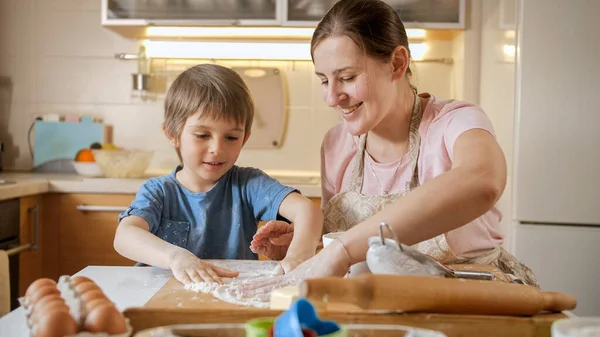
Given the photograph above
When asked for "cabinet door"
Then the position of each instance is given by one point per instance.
(31, 231)
(441, 14)
(434, 14)
(191, 12)
(87, 230)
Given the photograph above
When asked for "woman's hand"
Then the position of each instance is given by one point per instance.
(273, 240)
(333, 260)
(188, 268)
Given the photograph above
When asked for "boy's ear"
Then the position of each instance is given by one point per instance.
(246, 137)
(173, 140)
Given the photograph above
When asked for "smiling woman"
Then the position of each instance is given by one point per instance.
(429, 167)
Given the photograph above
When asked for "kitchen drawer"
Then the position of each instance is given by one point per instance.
(87, 229)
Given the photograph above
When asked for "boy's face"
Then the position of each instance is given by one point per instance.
(209, 147)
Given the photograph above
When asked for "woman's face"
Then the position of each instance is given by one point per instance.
(357, 86)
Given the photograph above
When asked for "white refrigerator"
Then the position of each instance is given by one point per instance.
(557, 147)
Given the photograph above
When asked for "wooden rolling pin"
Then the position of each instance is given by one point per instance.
(435, 295)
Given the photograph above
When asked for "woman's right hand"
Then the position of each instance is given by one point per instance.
(333, 260)
(188, 268)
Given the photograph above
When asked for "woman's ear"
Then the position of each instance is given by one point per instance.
(400, 62)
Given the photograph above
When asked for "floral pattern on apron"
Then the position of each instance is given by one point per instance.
(345, 210)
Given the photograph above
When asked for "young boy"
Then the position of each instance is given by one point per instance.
(208, 208)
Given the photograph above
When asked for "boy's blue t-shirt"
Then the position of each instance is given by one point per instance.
(218, 224)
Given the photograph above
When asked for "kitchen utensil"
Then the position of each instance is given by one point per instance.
(390, 256)
(302, 315)
(123, 163)
(87, 169)
(269, 93)
(56, 143)
(410, 293)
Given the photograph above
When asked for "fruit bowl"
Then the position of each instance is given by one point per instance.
(123, 163)
(88, 169)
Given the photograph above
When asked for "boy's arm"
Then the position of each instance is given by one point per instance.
(134, 241)
(308, 224)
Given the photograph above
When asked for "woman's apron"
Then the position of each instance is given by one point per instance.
(345, 210)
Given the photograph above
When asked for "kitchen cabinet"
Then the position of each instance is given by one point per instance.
(87, 229)
(30, 231)
(138, 19)
(186, 13)
(424, 14)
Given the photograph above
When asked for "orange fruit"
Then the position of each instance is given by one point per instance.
(85, 155)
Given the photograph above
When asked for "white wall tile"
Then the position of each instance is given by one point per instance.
(434, 78)
(300, 150)
(21, 71)
(84, 80)
(299, 81)
(69, 5)
(17, 27)
(17, 153)
(81, 34)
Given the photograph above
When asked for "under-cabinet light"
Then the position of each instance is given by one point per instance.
(243, 50)
(247, 32)
(228, 50)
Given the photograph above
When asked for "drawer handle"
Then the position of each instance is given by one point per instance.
(88, 208)
(36, 227)
(18, 249)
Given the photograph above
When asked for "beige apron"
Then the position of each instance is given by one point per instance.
(345, 210)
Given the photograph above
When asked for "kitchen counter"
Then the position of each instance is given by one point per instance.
(125, 286)
(133, 287)
(24, 184)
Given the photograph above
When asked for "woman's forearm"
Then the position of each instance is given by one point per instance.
(135, 242)
(444, 203)
(308, 225)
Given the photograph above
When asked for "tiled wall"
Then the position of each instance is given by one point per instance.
(60, 60)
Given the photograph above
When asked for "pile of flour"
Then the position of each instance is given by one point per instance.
(230, 291)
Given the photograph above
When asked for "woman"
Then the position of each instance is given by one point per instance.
(430, 168)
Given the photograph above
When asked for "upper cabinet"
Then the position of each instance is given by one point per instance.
(132, 17)
(431, 14)
(191, 12)
(304, 13)
(425, 14)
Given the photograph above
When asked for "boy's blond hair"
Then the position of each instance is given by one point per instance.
(219, 92)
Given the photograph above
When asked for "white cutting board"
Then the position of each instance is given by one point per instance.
(269, 92)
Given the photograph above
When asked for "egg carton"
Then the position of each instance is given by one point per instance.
(77, 310)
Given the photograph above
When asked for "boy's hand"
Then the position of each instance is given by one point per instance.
(272, 239)
(187, 268)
